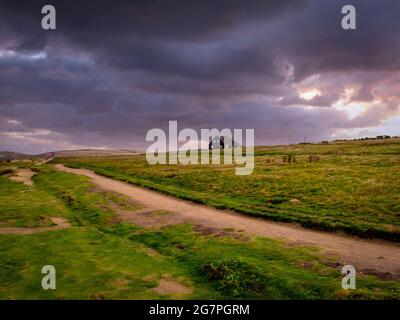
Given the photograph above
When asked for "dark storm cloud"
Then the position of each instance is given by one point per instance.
(189, 20)
(114, 69)
(322, 46)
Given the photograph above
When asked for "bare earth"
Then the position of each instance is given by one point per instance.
(168, 286)
(60, 224)
(24, 176)
(378, 255)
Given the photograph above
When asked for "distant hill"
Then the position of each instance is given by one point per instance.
(95, 153)
(5, 155)
(9, 155)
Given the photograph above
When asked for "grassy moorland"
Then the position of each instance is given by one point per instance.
(100, 257)
(351, 186)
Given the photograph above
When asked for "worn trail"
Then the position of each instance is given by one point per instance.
(60, 223)
(378, 255)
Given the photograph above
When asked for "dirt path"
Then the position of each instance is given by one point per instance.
(380, 256)
(24, 176)
(60, 224)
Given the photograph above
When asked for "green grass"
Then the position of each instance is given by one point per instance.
(260, 268)
(99, 258)
(353, 188)
(16, 197)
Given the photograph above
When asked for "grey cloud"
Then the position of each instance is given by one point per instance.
(113, 70)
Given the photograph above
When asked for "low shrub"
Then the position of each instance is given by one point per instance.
(235, 278)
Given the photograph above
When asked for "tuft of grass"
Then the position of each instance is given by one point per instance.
(235, 278)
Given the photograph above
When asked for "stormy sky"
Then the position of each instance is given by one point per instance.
(112, 70)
